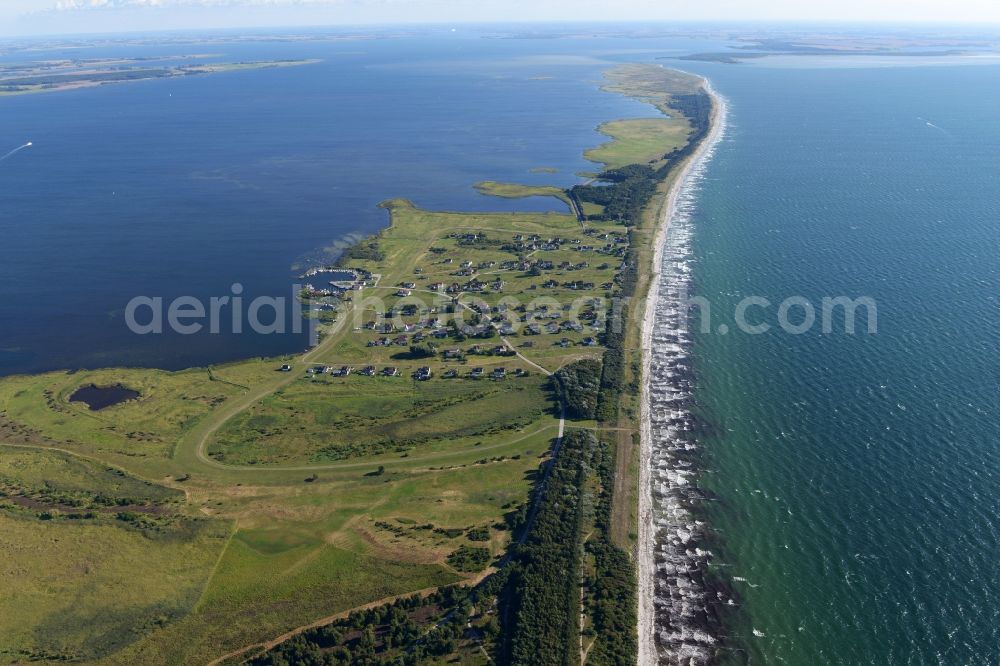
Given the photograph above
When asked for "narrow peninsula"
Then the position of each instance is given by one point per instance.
(452, 474)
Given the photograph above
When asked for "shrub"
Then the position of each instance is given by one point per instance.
(578, 384)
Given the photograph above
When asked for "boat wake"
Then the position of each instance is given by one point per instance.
(17, 150)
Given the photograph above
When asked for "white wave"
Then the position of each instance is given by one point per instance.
(680, 607)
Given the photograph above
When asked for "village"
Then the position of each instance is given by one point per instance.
(473, 304)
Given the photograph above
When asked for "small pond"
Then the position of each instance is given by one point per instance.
(101, 397)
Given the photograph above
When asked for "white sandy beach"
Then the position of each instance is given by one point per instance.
(647, 567)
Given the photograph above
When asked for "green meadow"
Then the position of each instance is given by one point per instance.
(515, 191)
(639, 140)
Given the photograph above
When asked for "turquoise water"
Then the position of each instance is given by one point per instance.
(857, 477)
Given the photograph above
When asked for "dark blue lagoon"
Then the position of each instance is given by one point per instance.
(168, 188)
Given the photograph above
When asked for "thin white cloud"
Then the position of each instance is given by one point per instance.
(57, 16)
(76, 5)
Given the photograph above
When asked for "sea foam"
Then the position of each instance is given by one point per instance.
(685, 628)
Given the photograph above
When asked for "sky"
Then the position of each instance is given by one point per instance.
(26, 17)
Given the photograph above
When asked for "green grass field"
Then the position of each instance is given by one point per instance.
(515, 191)
(339, 419)
(66, 552)
(81, 590)
(143, 428)
(639, 141)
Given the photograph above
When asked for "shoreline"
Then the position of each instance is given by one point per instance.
(183, 450)
(648, 652)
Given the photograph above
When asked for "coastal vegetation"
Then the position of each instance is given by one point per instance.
(70, 527)
(361, 417)
(567, 594)
(541, 604)
(517, 191)
(639, 141)
(578, 385)
(571, 593)
(60, 75)
(402, 483)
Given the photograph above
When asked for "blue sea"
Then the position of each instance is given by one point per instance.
(851, 482)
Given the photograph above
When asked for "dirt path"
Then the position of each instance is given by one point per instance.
(198, 438)
(525, 358)
(330, 619)
(322, 622)
(624, 499)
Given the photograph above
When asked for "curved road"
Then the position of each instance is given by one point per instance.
(197, 440)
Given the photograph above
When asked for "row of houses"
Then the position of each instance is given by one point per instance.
(553, 327)
(599, 235)
(399, 340)
(474, 286)
(343, 371)
(575, 285)
(420, 374)
(423, 374)
(346, 370)
(477, 350)
(479, 373)
(534, 243)
(562, 265)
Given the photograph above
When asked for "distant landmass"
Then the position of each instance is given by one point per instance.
(59, 75)
(835, 45)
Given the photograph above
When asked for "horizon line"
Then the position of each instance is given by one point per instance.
(715, 22)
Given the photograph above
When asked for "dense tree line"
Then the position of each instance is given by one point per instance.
(615, 597)
(542, 604)
(624, 192)
(387, 635)
(469, 559)
(577, 384)
(423, 350)
(697, 108)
